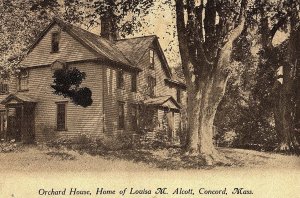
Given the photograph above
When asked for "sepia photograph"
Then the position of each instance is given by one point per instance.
(149, 98)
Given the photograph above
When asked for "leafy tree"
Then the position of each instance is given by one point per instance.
(67, 83)
(268, 92)
(205, 46)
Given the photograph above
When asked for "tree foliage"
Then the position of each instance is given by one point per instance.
(67, 83)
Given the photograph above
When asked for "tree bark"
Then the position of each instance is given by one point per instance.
(202, 107)
(286, 123)
(205, 66)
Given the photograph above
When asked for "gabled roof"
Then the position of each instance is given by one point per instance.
(124, 51)
(135, 48)
(161, 100)
(100, 46)
(19, 97)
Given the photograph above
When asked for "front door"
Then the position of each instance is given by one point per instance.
(14, 123)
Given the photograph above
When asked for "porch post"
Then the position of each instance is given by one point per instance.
(22, 120)
(7, 120)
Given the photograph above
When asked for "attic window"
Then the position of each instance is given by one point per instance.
(55, 42)
(151, 56)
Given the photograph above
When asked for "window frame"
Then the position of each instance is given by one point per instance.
(134, 82)
(151, 58)
(151, 85)
(121, 125)
(178, 95)
(120, 79)
(4, 88)
(55, 40)
(65, 128)
(25, 79)
(134, 111)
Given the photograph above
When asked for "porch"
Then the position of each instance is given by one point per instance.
(164, 114)
(17, 118)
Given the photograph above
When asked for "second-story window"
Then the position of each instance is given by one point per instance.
(55, 42)
(151, 86)
(151, 56)
(23, 81)
(178, 95)
(133, 82)
(120, 79)
(3, 88)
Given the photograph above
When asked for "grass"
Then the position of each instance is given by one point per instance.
(35, 158)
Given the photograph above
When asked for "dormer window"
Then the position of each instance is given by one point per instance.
(55, 42)
(151, 56)
(23, 81)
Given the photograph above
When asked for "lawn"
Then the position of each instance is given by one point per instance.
(37, 158)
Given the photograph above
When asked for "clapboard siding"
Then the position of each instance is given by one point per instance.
(161, 89)
(112, 95)
(69, 50)
(87, 120)
(101, 118)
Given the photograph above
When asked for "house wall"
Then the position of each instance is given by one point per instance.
(87, 120)
(161, 89)
(112, 95)
(101, 118)
(69, 50)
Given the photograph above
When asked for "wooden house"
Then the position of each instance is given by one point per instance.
(120, 73)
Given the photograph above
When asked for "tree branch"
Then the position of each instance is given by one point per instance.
(225, 52)
(183, 44)
(210, 27)
(278, 25)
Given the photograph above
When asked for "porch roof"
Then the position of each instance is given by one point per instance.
(18, 97)
(163, 101)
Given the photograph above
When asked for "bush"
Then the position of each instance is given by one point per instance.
(7, 147)
(85, 143)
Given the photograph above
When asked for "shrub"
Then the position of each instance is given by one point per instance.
(7, 147)
(85, 143)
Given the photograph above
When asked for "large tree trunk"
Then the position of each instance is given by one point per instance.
(287, 127)
(206, 65)
(202, 105)
(284, 125)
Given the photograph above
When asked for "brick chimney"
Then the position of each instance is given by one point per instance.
(109, 28)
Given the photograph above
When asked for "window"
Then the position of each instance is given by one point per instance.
(133, 82)
(3, 88)
(151, 56)
(55, 42)
(133, 115)
(121, 115)
(120, 79)
(178, 95)
(61, 116)
(23, 81)
(151, 85)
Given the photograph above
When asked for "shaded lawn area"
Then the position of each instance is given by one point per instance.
(175, 159)
(36, 158)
